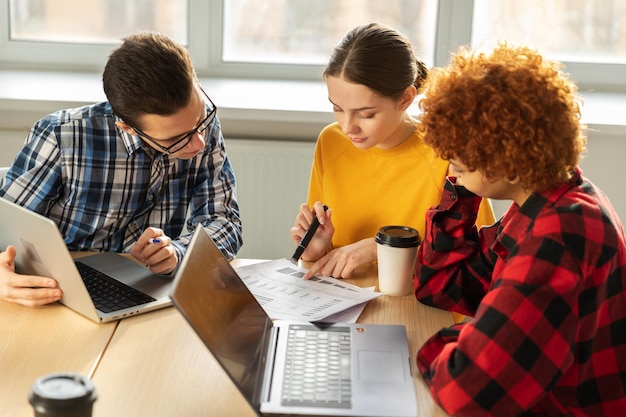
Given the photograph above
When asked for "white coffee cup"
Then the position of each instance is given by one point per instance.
(396, 252)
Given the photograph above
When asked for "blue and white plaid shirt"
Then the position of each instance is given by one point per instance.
(104, 187)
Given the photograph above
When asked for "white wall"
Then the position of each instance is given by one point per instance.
(10, 143)
(272, 182)
(601, 164)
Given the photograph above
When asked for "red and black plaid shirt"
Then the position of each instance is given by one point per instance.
(546, 287)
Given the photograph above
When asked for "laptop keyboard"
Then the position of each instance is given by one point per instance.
(109, 294)
(317, 369)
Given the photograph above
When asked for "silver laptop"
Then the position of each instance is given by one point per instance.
(291, 367)
(42, 251)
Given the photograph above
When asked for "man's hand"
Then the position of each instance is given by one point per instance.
(155, 250)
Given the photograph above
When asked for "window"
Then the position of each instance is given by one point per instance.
(291, 39)
(71, 35)
(579, 30)
(304, 31)
(94, 21)
(588, 35)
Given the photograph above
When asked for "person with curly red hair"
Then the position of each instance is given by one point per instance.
(546, 285)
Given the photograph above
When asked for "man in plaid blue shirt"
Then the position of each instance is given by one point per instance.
(546, 285)
(123, 175)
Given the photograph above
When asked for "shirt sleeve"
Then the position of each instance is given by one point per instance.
(33, 181)
(454, 259)
(316, 190)
(214, 204)
(519, 344)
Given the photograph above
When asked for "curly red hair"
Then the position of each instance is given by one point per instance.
(510, 114)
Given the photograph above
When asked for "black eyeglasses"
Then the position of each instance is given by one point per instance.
(186, 138)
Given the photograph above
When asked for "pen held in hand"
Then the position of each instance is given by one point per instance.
(306, 239)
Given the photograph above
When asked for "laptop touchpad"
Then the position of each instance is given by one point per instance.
(380, 366)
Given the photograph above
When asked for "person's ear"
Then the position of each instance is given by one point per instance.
(408, 97)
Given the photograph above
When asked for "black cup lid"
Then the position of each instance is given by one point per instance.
(62, 391)
(398, 236)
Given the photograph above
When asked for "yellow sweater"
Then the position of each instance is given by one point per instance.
(370, 188)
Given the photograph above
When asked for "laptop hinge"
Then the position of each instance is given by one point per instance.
(268, 369)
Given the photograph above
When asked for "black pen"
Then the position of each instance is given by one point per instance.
(306, 238)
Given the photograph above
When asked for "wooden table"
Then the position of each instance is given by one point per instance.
(38, 341)
(156, 366)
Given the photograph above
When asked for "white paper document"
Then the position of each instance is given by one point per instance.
(283, 293)
(350, 315)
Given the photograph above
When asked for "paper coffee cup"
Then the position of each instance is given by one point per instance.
(62, 395)
(396, 253)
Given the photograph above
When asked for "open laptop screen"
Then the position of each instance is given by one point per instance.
(223, 312)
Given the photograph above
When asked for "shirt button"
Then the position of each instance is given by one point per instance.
(453, 197)
(151, 197)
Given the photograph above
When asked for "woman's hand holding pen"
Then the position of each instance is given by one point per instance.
(338, 263)
(321, 241)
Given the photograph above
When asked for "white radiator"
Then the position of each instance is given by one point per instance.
(272, 182)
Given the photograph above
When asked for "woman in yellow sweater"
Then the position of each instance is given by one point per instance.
(371, 167)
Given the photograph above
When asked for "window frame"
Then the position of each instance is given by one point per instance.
(454, 23)
(601, 77)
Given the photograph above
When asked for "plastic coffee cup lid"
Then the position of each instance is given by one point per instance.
(398, 236)
(62, 391)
